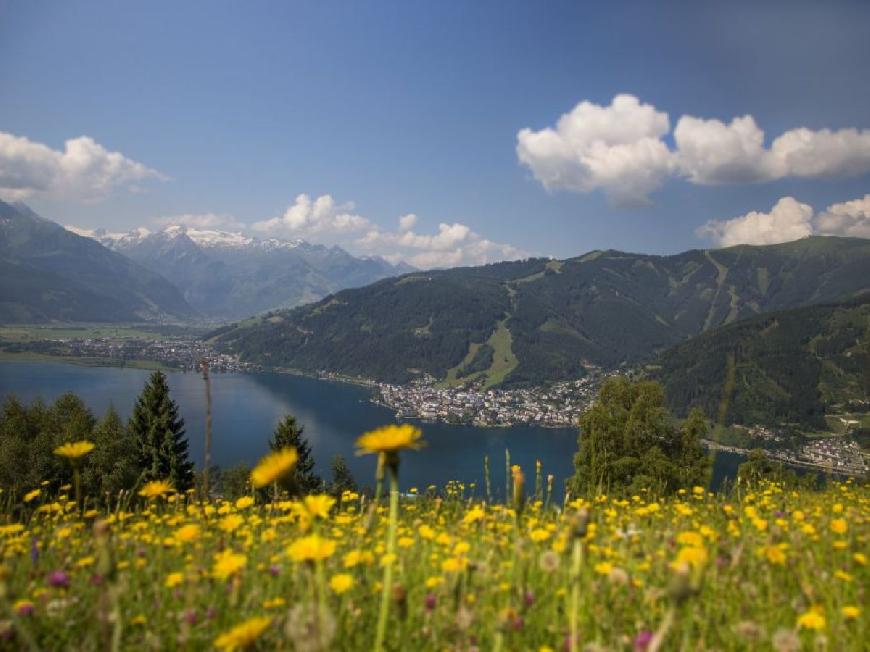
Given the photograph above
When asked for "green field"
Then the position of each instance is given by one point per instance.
(30, 333)
(28, 356)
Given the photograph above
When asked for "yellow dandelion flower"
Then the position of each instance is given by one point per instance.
(690, 556)
(453, 565)
(352, 558)
(603, 568)
(244, 634)
(173, 580)
(426, 532)
(539, 534)
(850, 612)
(32, 495)
(839, 526)
(341, 583)
(812, 619)
(319, 505)
(231, 522)
(690, 538)
(75, 449)
(155, 489)
(311, 548)
(473, 515)
(389, 439)
(775, 555)
(227, 564)
(244, 502)
(273, 466)
(187, 533)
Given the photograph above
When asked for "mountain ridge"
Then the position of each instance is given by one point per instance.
(545, 320)
(51, 274)
(228, 275)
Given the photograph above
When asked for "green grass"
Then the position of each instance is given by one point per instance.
(29, 356)
(35, 332)
(503, 359)
(451, 379)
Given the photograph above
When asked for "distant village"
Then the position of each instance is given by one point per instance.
(555, 406)
(185, 353)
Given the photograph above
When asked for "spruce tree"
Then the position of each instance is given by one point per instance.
(302, 480)
(158, 430)
(112, 465)
(342, 478)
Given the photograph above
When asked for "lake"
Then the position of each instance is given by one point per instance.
(246, 408)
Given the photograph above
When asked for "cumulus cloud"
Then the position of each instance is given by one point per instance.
(305, 218)
(851, 218)
(453, 245)
(201, 221)
(407, 222)
(617, 148)
(325, 220)
(83, 170)
(620, 149)
(789, 220)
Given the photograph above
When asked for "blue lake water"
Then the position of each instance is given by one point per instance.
(246, 408)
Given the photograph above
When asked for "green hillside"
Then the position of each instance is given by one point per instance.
(540, 320)
(787, 367)
(49, 274)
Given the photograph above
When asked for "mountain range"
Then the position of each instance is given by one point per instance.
(225, 275)
(48, 273)
(539, 320)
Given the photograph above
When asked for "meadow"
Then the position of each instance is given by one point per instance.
(763, 567)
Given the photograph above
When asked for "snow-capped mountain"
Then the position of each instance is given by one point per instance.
(229, 275)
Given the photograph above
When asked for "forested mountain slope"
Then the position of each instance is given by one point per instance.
(542, 320)
(785, 367)
(48, 273)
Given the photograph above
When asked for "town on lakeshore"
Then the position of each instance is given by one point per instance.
(558, 405)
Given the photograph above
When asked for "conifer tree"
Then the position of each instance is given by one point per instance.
(158, 430)
(342, 478)
(112, 465)
(302, 480)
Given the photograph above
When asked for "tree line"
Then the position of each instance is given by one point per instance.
(629, 442)
(151, 445)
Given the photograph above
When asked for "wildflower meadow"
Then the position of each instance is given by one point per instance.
(762, 567)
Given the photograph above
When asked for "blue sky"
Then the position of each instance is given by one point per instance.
(415, 108)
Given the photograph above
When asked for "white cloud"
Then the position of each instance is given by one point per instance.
(620, 149)
(710, 152)
(324, 220)
(851, 218)
(306, 218)
(407, 222)
(84, 170)
(617, 148)
(787, 220)
(201, 221)
(453, 245)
